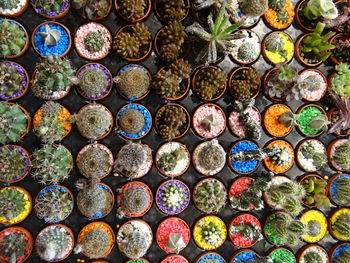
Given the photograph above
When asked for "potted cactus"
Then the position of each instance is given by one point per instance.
(93, 9)
(93, 41)
(51, 122)
(14, 80)
(54, 203)
(209, 157)
(94, 121)
(139, 260)
(13, 8)
(15, 122)
(133, 42)
(210, 256)
(282, 160)
(133, 121)
(246, 49)
(246, 255)
(338, 189)
(172, 197)
(15, 163)
(340, 252)
(95, 81)
(209, 196)
(209, 83)
(133, 160)
(280, 14)
(172, 159)
(169, 11)
(134, 199)
(338, 154)
(273, 120)
(134, 238)
(95, 200)
(95, 161)
(316, 224)
(15, 205)
(340, 54)
(316, 190)
(281, 253)
(133, 11)
(51, 9)
(241, 166)
(14, 39)
(53, 77)
(244, 83)
(172, 82)
(209, 232)
(16, 244)
(312, 253)
(95, 240)
(278, 47)
(339, 224)
(133, 82)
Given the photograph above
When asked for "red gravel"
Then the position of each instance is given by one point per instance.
(237, 239)
(240, 185)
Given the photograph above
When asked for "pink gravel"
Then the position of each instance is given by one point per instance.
(204, 111)
(317, 94)
(237, 127)
(175, 259)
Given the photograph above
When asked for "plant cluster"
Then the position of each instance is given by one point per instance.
(134, 244)
(49, 6)
(342, 155)
(342, 50)
(12, 203)
(245, 84)
(172, 10)
(171, 121)
(10, 80)
(12, 163)
(94, 41)
(12, 38)
(341, 225)
(132, 9)
(8, 4)
(168, 161)
(318, 123)
(315, 9)
(211, 234)
(248, 231)
(210, 196)
(95, 243)
(173, 197)
(308, 150)
(247, 51)
(132, 44)
(253, 8)
(51, 164)
(93, 81)
(132, 121)
(342, 22)
(316, 194)
(340, 83)
(92, 8)
(342, 193)
(14, 246)
(94, 162)
(168, 82)
(135, 200)
(209, 83)
(211, 156)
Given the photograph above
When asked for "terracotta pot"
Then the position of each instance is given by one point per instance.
(304, 107)
(194, 78)
(264, 196)
(263, 48)
(111, 126)
(148, 50)
(330, 217)
(210, 105)
(26, 88)
(236, 180)
(279, 248)
(159, 16)
(136, 220)
(265, 121)
(209, 253)
(147, 12)
(302, 251)
(168, 259)
(266, 88)
(30, 242)
(334, 249)
(108, 88)
(232, 77)
(19, 12)
(315, 210)
(69, 194)
(282, 26)
(291, 152)
(233, 131)
(165, 173)
(329, 115)
(229, 160)
(329, 194)
(330, 151)
(324, 79)
(28, 156)
(297, 17)
(149, 75)
(297, 150)
(26, 45)
(52, 23)
(56, 16)
(333, 41)
(237, 252)
(28, 118)
(264, 229)
(297, 52)
(160, 110)
(98, 19)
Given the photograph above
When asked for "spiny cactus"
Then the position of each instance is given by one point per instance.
(342, 155)
(13, 123)
(312, 257)
(173, 197)
(132, 121)
(51, 36)
(172, 10)
(94, 41)
(247, 52)
(96, 243)
(12, 38)
(314, 228)
(132, 9)
(92, 8)
(244, 84)
(168, 161)
(209, 83)
(258, 154)
(171, 121)
(211, 156)
(12, 163)
(171, 38)
(134, 245)
(276, 5)
(341, 225)
(53, 204)
(52, 243)
(342, 192)
(136, 199)
(10, 80)
(13, 246)
(253, 7)
(319, 159)
(283, 17)
(49, 6)
(53, 76)
(293, 206)
(9, 4)
(274, 43)
(210, 196)
(344, 257)
(248, 230)
(12, 203)
(93, 81)
(211, 234)
(51, 164)
(282, 157)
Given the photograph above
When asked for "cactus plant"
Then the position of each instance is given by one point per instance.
(13, 163)
(14, 246)
(49, 6)
(274, 43)
(135, 199)
(247, 52)
(342, 192)
(315, 191)
(341, 155)
(9, 4)
(248, 231)
(12, 203)
(12, 38)
(94, 41)
(341, 225)
(13, 123)
(244, 84)
(253, 8)
(93, 81)
(53, 77)
(51, 164)
(209, 83)
(276, 5)
(10, 80)
(95, 243)
(92, 9)
(134, 245)
(344, 257)
(211, 156)
(211, 234)
(312, 257)
(132, 121)
(168, 161)
(173, 197)
(258, 154)
(308, 150)
(313, 228)
(132, 10)
(171, 121)
(210, 196)
(51, 36)
(172, 10)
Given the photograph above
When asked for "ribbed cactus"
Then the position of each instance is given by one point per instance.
(314, 228)
(93, 81)
(312, 257)
(94, 42)
(277, 197)
(13, 246)
(171, 38)
(173, 197)
(12, 203)
(244, 84)
(211, 234)
(344, 257)
(209, 83)
(51, 36)
(132, 9)
(49, 6)
(12, 38)
(211, 156)
(210, 196)
(342, 192)
(135, 200)
(274, 42)
(297, 227)
(135, 245)
(12, 163)
(342, 155)
(248, 230)
(96, 243)
(132, 121)
(10, 80)
(253, 7)
(171, 121)
(168, 161)
(341, 225)
(276, 5)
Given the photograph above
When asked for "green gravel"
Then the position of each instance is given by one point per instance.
(271, 231)
(306, 115)
(137, 261)
(283, 255)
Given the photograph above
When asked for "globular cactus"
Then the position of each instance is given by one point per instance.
(94, 42)
(211, 156)
(274, 43)
(94, 162)
(248, 231)
(171, 121)
(10, 80)
(95, 243)
(342, 192)
(14, 246)
(344, 257)
(168, 161)
(93, 81)
(253, 7)
(172, 10)
(135, 200)
(49, 6)
(132, 9)
(51, 36)
(211, 234)
(131, 121)
(171, 38)
(341, 225)
(173, 197)
(135, 245)
(313, 228)
(9, 4)
(283, 16)
(282, 158)
(247, 52)
(209, 83)
(342, 155)
(12, 203)
(244, 84)
(12, 163)
(276, 5)
(312, 257)
(210, 197)
(12, 38)
(297, 227)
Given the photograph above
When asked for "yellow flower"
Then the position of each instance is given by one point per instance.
(315, 215)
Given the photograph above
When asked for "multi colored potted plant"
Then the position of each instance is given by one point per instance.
(311, 155)
(244, 83)
(338, 189)
(133, 11)
(316, 190)
(13, 8)
(247, 48)
(338, 154)
(272, 120)
(50, 9)
(93, 41)
(279, 14)
(92, 9)
(312, 253)
(339, 224)
(14, 80)
(133, 160)
(168, 11)
(340, 252)
(283, 254)
(278, 47)
(51, 164)
(248, 12)
(243, 166)
(15, 163)
(245, 255)
(340, 54)
(209, 157)
(209, 196)
(316, 223)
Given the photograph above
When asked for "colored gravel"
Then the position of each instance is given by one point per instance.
(20, 70)
(247, 166)
(271, 120)
(333, 188)
(306, 115)
(211, 258)
(282, 255)
(270, 232)
(244, 256)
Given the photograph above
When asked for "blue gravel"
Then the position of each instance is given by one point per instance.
(338, 251)
(243, 257)
(98, 215)
(126, 67)
(212, 257)
(248, 166)
(61, 47)
(147, 116)
(334, 187)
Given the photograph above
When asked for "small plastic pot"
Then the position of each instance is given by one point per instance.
(264, 229)
(265, 120)
(267, 161)
(298, 56)
(171, 258)
(233, 73)
(272, 250)
(334, 250)
(205, 254)
(320, 217)
(147, 12)
(235, 120)
(270, 18)
(234, 186)
(98, 19)
(324, 81)
(298, 17)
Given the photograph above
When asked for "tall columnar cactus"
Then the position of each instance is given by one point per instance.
(253, 7)
(209, 83)
(245, 84)
(12, 163)
(342, 192)
(210, 196)
(93, 81)
(14, 246)
(171, 38)
(341, 225)
(258, 154)
(95, 243)
(135, 200)
(12, 38)
(342, 155)
(10, 80)
(132, 9)
(171, 121)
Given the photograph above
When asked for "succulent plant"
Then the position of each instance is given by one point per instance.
(92, 8)
(172, 10)
(314, 228)
(210, 82)
(131, 159)
(14, 246)
(53, 204)
(94, 121)
(211, 156)
(211, 234)
(49, 6)
(276, 5)
(51, 36)
(132, 121)
(93, 81)
(341, 50)
(248, 230)
(210, 196)
(12, 38)
(247, 52)
(282, 158)
(171, 121)
(245, 84)
(51, 164)
(315, 9)
(342, 155)
(133, 82)
(173, 197)
(132, 9)
(9, 4)
(274, 43)
(168, 161)
(135, 244)
(131, 44)
(96, 243)
(281, 82)
(319, 160)
(316, 191)
(341, 225)
(10, 80)
(253, 7)
(53, 76)
(344, 257)
(312, 257)
(228, 5)
(258, 154)
(283, 17)
(12, 203)
(12, 163)
(135, 200)
(13, 123)
(342, 192)
(340, 83)
(341, 23)
(94, 41)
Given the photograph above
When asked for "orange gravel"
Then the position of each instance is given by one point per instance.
(277, 168)
(272, 123)
(271, 16)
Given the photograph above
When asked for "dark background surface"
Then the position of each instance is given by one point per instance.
(114, 102)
